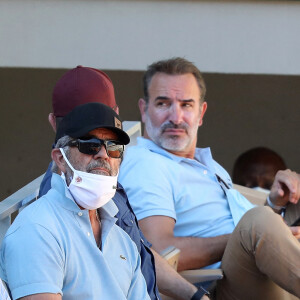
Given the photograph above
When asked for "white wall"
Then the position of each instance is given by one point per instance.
(219, 36)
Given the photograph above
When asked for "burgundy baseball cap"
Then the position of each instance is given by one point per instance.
(79, 86)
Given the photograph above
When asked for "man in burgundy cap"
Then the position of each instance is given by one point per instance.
(83, 85)
(77, 86)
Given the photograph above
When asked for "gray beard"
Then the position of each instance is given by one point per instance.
(170, 143)
(94, 164)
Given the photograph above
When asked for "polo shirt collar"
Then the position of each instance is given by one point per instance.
(149, 144)
(202, 155)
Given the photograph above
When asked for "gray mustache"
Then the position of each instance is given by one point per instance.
(98, 164)
(170, 125)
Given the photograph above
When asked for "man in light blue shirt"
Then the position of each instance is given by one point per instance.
(176, 195)
(182, 197)
(66, 244)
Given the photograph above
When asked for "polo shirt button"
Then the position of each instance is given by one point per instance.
(205, 172)
(132, 221)
(142, 240)
(79, 214)
(88, 234)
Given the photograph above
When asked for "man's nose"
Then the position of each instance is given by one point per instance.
(102, 153)
(176, 113)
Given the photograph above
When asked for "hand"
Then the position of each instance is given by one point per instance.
(205, 298)
(285, 188)
(295, 231)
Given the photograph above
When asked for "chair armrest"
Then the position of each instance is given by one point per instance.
(171, 255)
(201, 275)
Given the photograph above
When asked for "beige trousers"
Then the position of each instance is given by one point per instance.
(262, 258)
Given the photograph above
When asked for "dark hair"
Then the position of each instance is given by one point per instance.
(257, 167)
(173, 66)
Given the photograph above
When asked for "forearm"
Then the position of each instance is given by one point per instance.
(169, 282)
(195, 252)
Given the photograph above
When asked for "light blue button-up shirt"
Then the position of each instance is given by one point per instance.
(187, 190)
(50, 248)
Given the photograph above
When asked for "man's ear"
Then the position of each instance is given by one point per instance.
(59, 159)
(52, 121)
(142, 106)
(203, 110)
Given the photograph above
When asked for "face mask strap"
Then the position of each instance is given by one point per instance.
(67, 161)
(86, 174)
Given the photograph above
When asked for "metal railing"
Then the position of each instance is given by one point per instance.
(29, 192)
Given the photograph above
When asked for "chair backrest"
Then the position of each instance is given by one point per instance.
(29, 192)
(16, 202)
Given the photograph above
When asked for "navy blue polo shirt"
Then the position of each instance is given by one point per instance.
(128, 222)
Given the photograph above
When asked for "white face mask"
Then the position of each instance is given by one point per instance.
(90, 191)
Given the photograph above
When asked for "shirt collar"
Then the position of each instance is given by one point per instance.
(202, 155)
(110, 209)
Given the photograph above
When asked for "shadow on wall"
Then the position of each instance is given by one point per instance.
(244, 111)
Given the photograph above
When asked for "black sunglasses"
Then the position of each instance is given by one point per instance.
(114, 149)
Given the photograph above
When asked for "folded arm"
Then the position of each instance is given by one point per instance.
(285, 191)
(195, 252)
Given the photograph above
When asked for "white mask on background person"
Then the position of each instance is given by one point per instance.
(90, 191)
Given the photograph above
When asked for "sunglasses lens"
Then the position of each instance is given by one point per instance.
(93, 146)
(114, 150)
(90, 148)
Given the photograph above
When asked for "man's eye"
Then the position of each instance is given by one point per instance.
(162, 104)
(187, 104)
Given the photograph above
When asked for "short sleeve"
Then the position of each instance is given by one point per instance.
(147, 184)
(33, 261)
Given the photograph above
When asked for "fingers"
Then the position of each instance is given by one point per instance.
(296, 231)
(293, 183)
(286, 187)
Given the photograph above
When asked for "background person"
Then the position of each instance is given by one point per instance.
(256, 168)
(182, 197)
